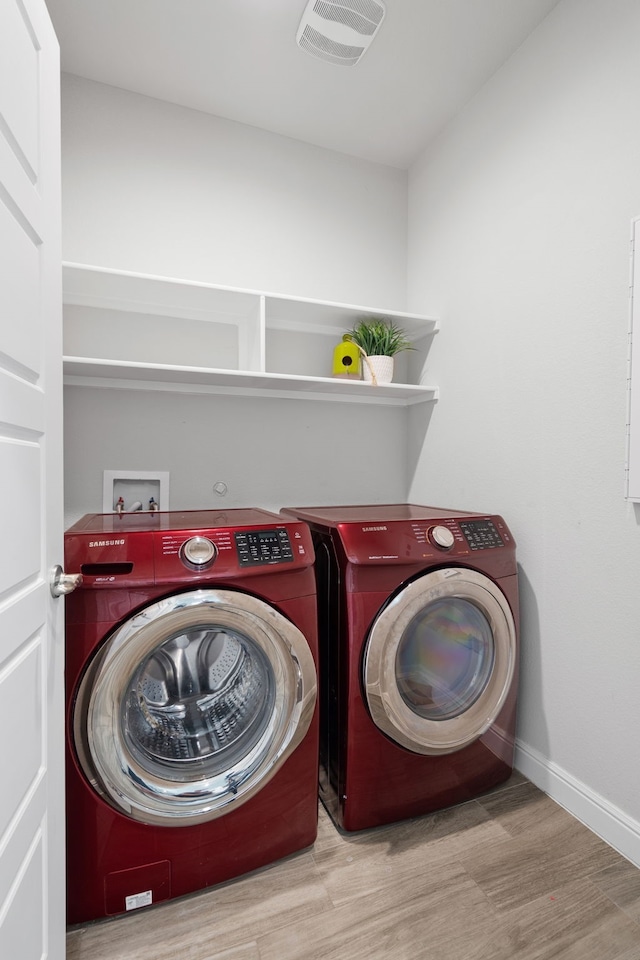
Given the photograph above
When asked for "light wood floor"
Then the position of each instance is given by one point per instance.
(509, 875)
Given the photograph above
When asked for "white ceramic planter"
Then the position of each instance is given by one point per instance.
(382, 368)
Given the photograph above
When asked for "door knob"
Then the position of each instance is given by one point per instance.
(63, 583)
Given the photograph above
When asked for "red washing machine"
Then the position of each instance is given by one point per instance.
(192, 732)
(418, 614)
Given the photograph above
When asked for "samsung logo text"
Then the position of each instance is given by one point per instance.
(107, 543)
(372, 529)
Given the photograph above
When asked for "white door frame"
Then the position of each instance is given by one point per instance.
(32, 897)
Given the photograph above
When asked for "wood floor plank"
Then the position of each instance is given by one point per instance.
(247, 951)
(434, 910)
(525, 808)
(621, 883)
(549, 848)
(575, 922)
(632, 954)
(204, 925)
(366, 863)
(509, 876)
(513, 874)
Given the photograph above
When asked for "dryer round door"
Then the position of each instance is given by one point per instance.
(192, 705)
(440, 660)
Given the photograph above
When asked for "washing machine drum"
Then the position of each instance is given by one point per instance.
(192, 706)
(440, 660)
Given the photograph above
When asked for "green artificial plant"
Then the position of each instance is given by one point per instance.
(378, 337)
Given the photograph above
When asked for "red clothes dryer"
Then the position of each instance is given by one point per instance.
(192, 733)
(418, 614)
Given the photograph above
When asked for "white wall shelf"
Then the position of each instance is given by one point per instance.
(126, 330)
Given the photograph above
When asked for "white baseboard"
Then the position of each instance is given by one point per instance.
(606, 820)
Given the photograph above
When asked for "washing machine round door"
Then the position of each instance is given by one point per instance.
(193, 705)
(440, 660)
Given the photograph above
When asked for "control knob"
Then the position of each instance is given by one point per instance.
(441, 537)
(198, 553)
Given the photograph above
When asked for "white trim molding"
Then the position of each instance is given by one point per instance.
(605, 819)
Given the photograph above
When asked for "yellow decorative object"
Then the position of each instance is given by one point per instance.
(346, 361)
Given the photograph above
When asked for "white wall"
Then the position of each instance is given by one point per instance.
(269, 453)
(519, 238)
(154, 188)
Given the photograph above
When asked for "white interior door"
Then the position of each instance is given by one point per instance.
(31, 627)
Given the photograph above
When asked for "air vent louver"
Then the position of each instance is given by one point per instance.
(339, 31)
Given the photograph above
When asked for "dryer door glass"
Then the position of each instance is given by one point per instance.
(439, 661)
(192, 706)
(444, 658)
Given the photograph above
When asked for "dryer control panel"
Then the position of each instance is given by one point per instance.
(481, 534)
(389, 542)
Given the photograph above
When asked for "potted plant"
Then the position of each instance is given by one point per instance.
(378, 340)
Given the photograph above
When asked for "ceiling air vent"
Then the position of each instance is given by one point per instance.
(339, 31)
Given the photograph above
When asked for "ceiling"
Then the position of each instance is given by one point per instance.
(238, 59)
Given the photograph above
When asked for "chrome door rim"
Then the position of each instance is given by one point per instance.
(102, 749)
(388, 709)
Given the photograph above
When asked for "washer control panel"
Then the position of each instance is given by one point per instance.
(441, 537)
(198, 553)
(481, 534)
(120, 551)
(260, 547)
